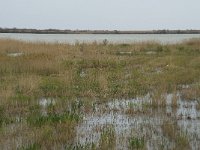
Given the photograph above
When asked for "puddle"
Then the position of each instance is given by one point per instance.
(82, 74)
(44, 103)
(158, 70)
(124, 53)
(17, 54)
(145, 124)
(150, 52)
(186, 86)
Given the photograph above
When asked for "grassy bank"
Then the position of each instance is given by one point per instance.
(76, 76)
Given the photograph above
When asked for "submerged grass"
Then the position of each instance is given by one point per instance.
(108, 139)
(172, 131)
(40, 120)
(96, 72)
(136, 143)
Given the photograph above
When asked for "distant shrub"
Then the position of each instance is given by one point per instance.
(105, 42)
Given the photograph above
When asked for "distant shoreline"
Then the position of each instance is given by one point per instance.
(56, 31)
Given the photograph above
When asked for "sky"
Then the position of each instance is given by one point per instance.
(100, 14)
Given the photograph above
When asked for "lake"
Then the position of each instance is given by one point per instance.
(113, 38)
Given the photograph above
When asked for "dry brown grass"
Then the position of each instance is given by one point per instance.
(192, 93)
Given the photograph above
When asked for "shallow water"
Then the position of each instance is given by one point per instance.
(143, 122)
(128, 118)
(44, 103)
(16, 54)
(113, 38)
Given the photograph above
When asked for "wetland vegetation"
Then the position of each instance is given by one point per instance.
(100, 95)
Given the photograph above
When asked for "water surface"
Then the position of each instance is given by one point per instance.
(143, 122)
(113, 38)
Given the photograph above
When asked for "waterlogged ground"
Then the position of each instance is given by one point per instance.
(123, 124)
(99, 96)
(134, 119)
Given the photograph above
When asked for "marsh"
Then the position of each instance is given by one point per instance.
(143, 95)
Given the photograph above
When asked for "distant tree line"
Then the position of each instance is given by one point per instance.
(56, 31)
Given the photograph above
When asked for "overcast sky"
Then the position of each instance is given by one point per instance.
(101, 14)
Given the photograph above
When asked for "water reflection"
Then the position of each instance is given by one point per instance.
(143, 124)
